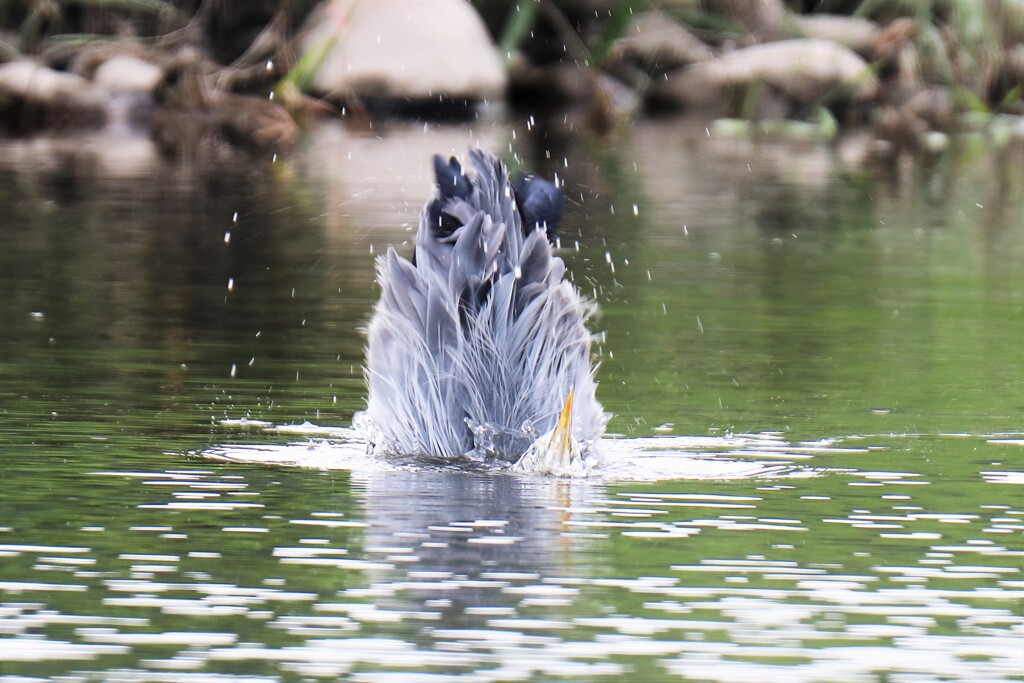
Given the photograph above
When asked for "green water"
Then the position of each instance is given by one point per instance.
(860, 319)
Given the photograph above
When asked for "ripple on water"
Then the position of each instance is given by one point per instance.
(786, 619)
(754, 568)
(640, 459)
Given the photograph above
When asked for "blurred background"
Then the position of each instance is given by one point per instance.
(910, 72)
(793, 215)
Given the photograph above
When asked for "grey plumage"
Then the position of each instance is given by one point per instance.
(475, 345)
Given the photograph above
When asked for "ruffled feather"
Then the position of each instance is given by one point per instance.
(481, 328)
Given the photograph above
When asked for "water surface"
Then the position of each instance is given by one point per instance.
(812, 359)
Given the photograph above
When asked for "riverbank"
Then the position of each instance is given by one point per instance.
(252, 76)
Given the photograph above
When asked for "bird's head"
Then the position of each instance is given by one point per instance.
(557, 452)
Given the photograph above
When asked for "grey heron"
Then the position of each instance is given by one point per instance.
(478, 346)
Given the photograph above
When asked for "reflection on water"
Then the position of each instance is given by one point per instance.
(813, 362)
(267, 573)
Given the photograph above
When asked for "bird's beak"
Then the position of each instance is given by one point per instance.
(561, 437)
(553, 452)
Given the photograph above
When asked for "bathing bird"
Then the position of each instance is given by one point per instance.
(478, 347)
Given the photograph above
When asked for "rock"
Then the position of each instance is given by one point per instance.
(34, 97)
(764, 19)
(857, 34)
(806, 72)
(934, 106)
(403, 50)
(656, 43)
(900, 129)
(613, 103)
(918, 122)
(584, 97)
(130, 82)
(125, 74)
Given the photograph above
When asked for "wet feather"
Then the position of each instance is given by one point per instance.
(481, 330)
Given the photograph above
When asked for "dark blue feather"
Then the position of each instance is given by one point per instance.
(452, 183)
(540, 204)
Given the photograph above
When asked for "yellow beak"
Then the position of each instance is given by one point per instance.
(553, 452)
(561, 437)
